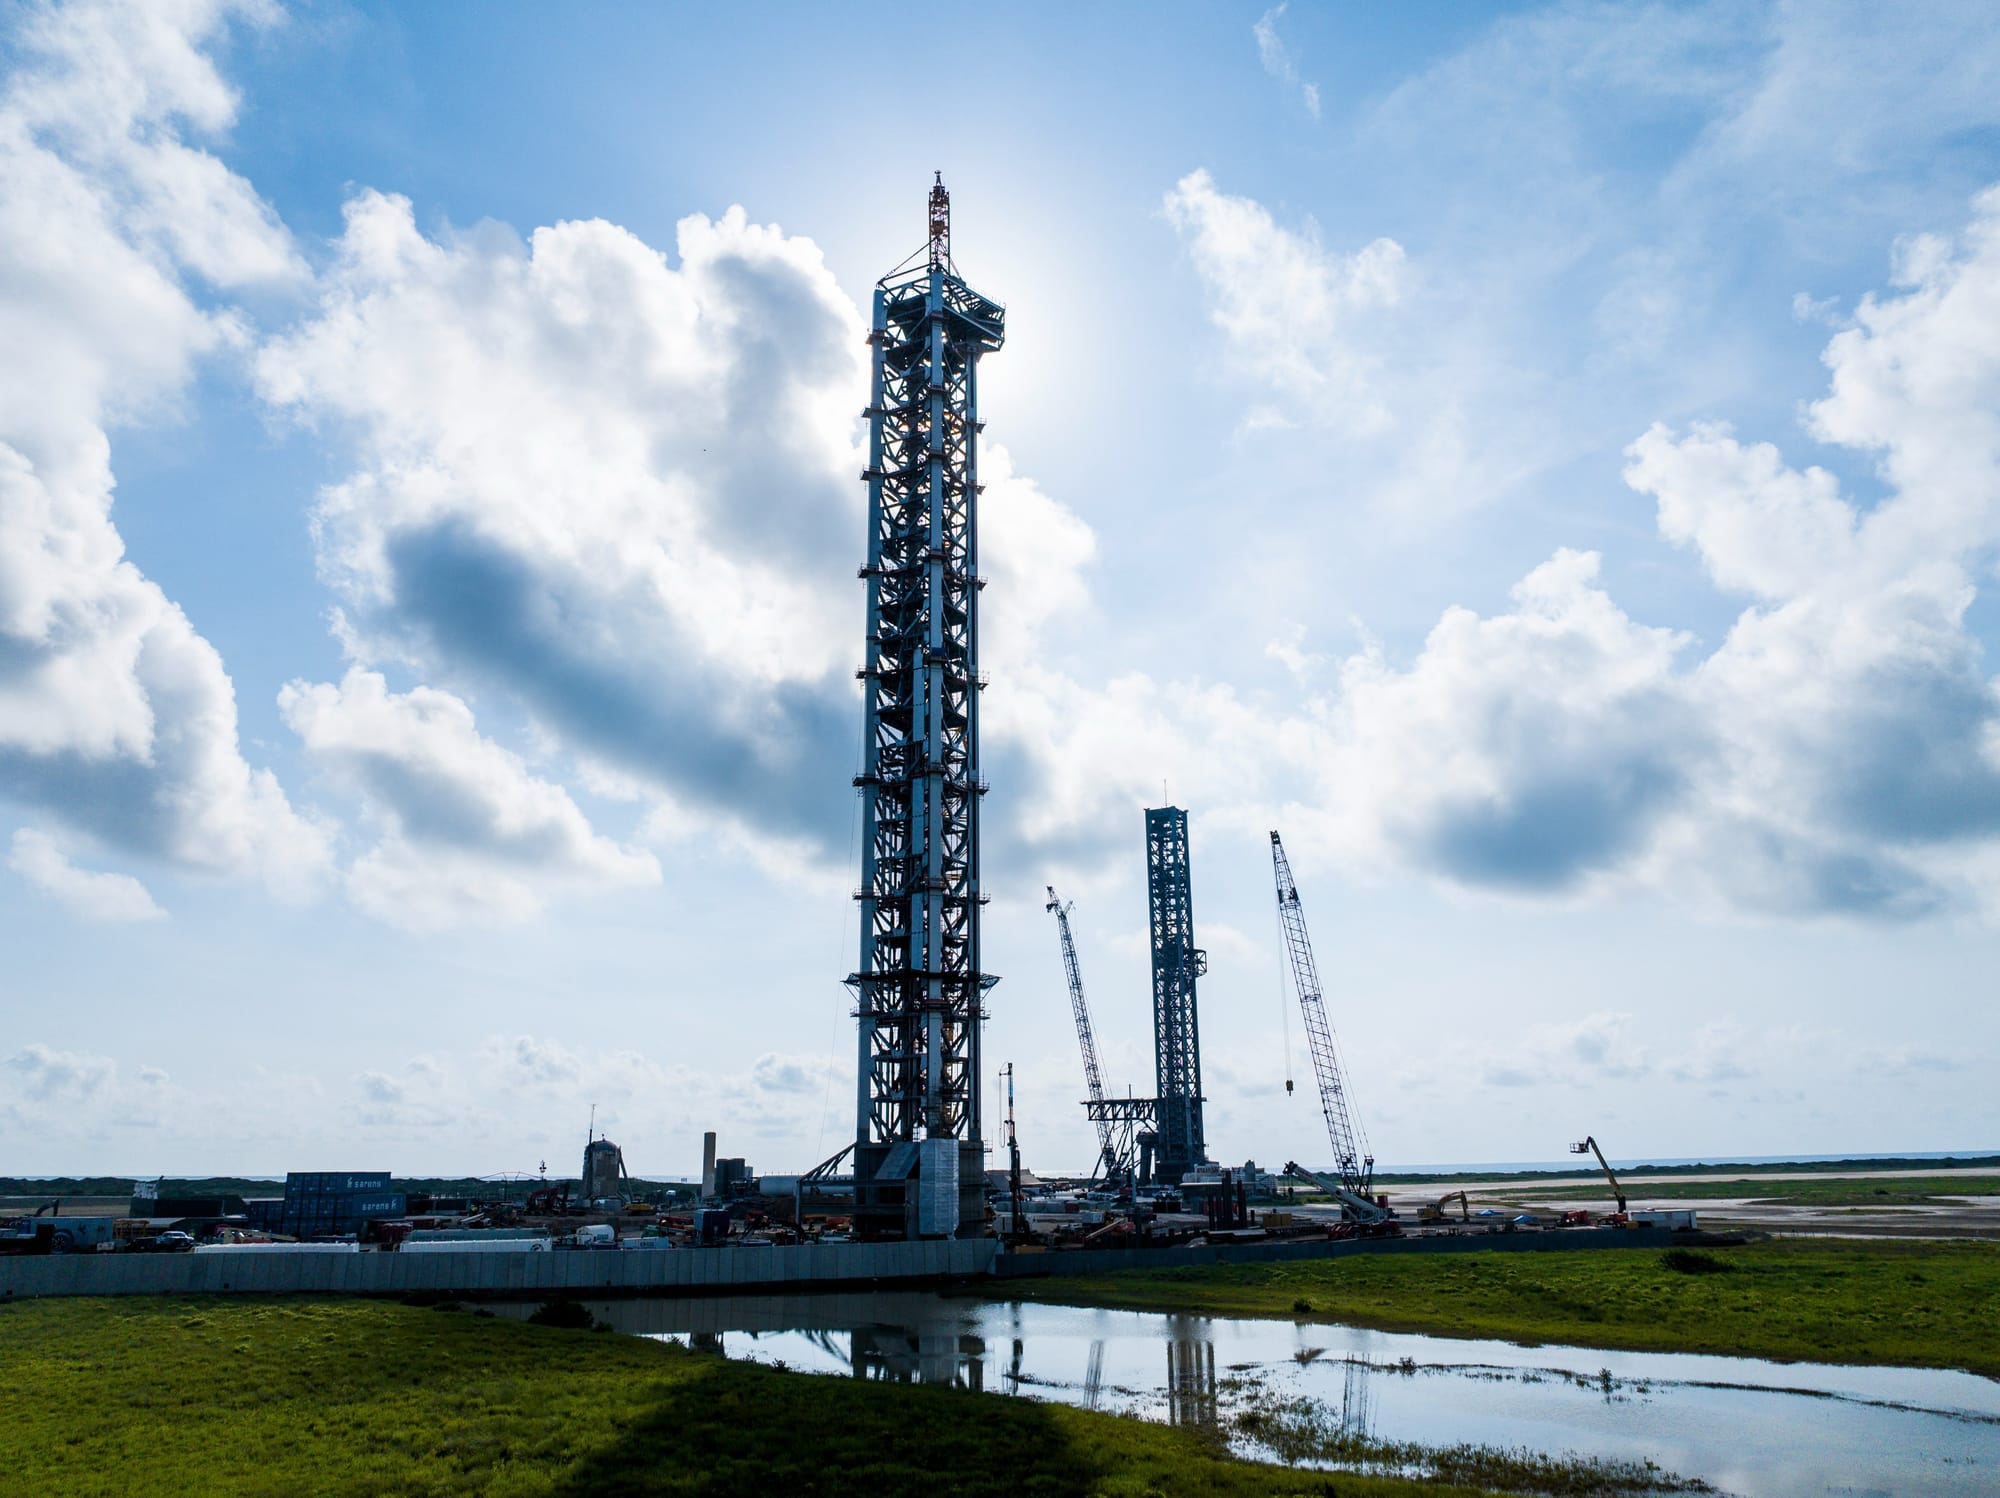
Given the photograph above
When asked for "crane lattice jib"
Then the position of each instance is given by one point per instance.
(1085, 1037)
(1353, 1161)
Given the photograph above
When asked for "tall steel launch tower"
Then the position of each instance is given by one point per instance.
(1177, 962)
(919, 1159)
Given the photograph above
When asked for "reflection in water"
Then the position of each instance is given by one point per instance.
(1354, 1398)
(1191, 1382)
(1755, 1429)
(905, 1355)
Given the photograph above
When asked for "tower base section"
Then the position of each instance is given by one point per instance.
(927, 1188)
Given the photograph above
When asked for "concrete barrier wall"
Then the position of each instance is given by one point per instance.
(582, 1271)
(696, 1271)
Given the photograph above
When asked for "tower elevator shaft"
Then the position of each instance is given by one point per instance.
(1179, 1143)
(919, 1159)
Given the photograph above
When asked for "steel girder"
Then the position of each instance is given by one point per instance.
(1177, 962)
(920, 986)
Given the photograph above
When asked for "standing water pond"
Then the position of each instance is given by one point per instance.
(1350, 1397)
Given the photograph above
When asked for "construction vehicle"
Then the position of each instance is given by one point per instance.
(1588, 1145)
(1354, 1207)
(1434, 1211)
(1352, 1160)
(548, 1201)
(1114, 1143)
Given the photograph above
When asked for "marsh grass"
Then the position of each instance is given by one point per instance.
(1815, 1300)
(1898, 1191)
(1306, 1431)
(297, 1396)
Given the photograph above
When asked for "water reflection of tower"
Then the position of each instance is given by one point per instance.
(1093, 1379)
(1354, 1395)
(1191, 1382)
(899, 1355)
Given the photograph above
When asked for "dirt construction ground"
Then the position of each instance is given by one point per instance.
(1949, 1215)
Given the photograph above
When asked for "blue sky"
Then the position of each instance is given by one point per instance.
(1542, 458)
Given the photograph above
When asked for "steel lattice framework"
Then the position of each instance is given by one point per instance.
(919, 986)
(1177, 962)
(1114, 1136)
(1354, 1162)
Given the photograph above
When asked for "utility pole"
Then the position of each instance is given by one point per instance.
(1018, 1232)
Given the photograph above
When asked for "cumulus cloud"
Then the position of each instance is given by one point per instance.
(655, 1109)
(1597, 1045)
(94, 896)
(115, 714)
(468, 831)
(1524, 750)
(1840, 748)
(1284, 302)
(620, 489)
(1277, 58)
(48, 1075)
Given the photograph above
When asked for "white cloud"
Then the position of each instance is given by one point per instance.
(1838, 751)
(467, 832)
(656, 1110)
(115, 715)
(48, 1075)
(1528, 750)
(97, 897)
(617, 489)
(1284, 302)
(1601, 1045)
(1278, 61)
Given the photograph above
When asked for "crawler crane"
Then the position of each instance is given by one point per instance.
(1114, 1144)
(1353, 1186)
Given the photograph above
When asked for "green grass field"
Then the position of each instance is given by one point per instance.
(227, 1396)
(1884, 1192)
(1814, 1300)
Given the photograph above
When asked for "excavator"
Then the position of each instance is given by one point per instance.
(1435, 1211)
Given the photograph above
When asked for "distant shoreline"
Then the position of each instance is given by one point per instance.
(1388, 1176)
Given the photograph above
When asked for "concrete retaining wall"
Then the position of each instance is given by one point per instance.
(665, 1271)
(695, 1271)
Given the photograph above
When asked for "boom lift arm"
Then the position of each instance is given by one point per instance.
(1110, 1156)
(1588, 1145)
(1356, 1166)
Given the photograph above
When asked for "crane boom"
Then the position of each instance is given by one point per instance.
(1085, 1038)
(1350, 1148)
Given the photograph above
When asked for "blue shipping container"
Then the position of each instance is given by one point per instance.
(335, 1182)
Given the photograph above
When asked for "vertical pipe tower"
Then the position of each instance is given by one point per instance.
(919, 1159)
(1177, 962)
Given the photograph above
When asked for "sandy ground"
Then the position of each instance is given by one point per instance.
(1961, 1217)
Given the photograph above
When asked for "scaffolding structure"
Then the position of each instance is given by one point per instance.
(919, 1159)
(1178, 1143)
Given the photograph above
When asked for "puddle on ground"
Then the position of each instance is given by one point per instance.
(1758, 1429)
